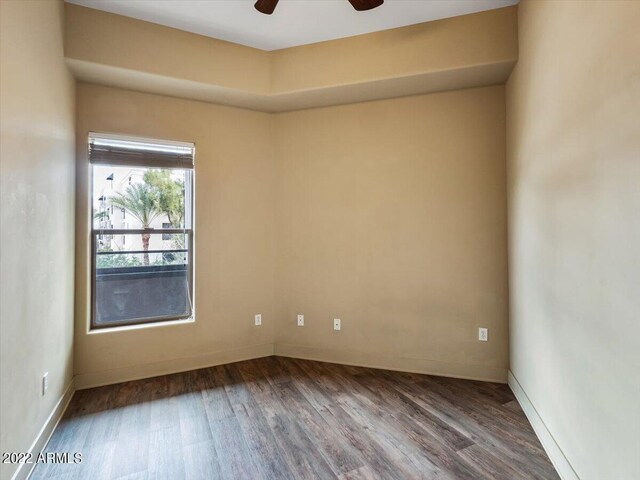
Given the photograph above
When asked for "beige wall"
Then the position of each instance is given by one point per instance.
(460, 52)
(392, 217)
(388, 214)
(449, 44)
(574, 195)
(37, 216)
(234, 236)
(354, 211)
(103, 38)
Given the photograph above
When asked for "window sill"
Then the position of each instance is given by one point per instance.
(140, 326)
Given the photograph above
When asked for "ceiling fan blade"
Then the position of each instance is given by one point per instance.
(266, 6)
(361, 5)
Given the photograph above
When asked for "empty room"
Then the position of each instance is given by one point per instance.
(320, 239)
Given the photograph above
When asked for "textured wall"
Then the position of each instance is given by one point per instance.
(574, 224)
(234, 236)
(37, 216)
(459, 52)
(376, 213)
(392, 217)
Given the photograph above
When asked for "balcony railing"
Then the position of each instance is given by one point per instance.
(138, 286)
(140, 292)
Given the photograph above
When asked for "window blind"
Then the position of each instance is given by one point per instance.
(107, 149)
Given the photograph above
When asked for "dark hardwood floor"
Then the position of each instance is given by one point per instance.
(281, 418)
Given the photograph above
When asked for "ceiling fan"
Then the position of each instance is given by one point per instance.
(268, 6)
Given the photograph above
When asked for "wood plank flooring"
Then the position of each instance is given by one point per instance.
(281, 418)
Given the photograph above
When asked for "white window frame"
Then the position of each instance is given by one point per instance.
(189, 232)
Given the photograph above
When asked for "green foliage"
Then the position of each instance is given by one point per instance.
(100, 215)
(117, 260)
(157, 194)
(120, 260)
(170, 194)
(141, 200)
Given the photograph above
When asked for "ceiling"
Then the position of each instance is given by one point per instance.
(295, 22)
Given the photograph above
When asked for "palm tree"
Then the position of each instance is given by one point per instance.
(170, 199)
(142, 201)
(170, 194)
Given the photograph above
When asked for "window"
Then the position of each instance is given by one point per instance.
(166, 236)
(142, 267)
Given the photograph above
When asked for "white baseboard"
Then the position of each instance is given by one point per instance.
(557, 457)
(485, 373)
(41, 440)
(166, 367)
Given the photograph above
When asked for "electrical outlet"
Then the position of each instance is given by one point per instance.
(336, 324)
(45, 383)
(300, 320)
(258, 319)
(483, 334)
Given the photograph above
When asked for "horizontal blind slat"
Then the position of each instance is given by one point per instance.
(144, 154)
